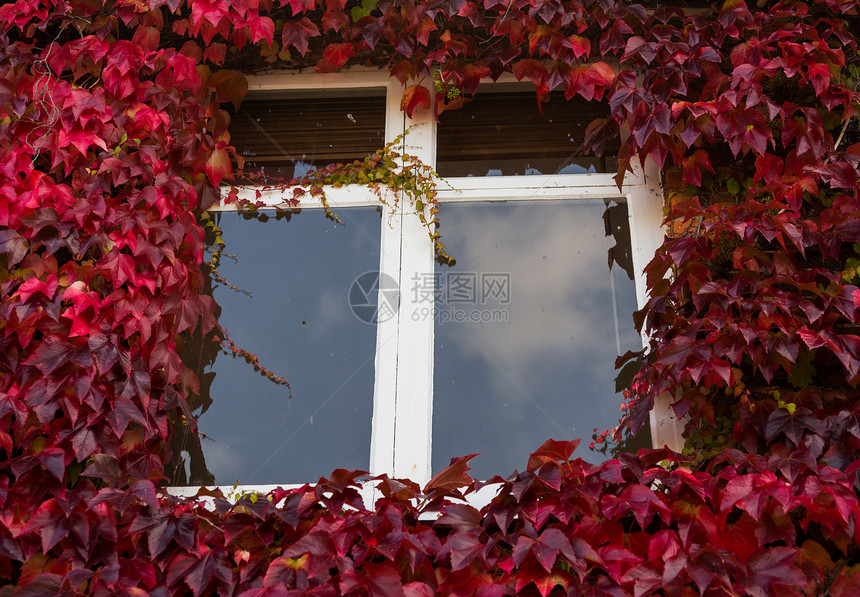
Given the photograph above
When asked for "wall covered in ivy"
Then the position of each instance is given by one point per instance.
(113, 142)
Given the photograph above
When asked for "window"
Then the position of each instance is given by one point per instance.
(504, 133)
(528, 325)
(283, 137)
(514, 344)
(288, 304)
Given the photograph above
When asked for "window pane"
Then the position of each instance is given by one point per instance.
(506, 134)
(289, 136)
(298, 321)
(528, 325)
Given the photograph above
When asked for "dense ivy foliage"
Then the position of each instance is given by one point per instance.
(112, 142)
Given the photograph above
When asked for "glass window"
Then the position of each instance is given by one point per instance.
(288, 136)
(291, 307)
(528, 325)
(513, 345)
(504, 134)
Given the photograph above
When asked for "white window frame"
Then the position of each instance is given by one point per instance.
(402, 424)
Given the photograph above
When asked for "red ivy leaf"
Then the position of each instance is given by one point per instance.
(50, 519)
(379, 580)
(104, 351)
(598, 132)
(218, 166)
(638, 46)
(14, 245)
(104, 467)
(693, 166)
(298, 33)
(552, 451)
(613, 39)
(208, 10)
(230, 86)
(532, 70)
(418, 589)
(453, 477)
(215, 53)
(403, 71)
(80, 138)
(144, 490)
(414, 96)
(335, 56)
(56, 351)
(768, 168)
(261, 28)
(53, 459)
(147, 38)
(581, 46)
(464, 548)
(773, 568)
(425, 27)
(642, 501)
(178, 569)
(335, 21)
(546, 548)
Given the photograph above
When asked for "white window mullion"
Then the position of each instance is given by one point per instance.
(645, 212)
(414, 398)
(382, 443)
(646, 235)
(387, 340)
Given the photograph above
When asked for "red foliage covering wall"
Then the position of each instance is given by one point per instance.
(112, 140)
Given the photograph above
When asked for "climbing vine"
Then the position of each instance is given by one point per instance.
(391, 173)
(113, 143)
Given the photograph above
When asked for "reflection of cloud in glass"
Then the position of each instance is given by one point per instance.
(302, 168)
(328, 314)
(551, 309)
(549, 370)
(577, 169)
(223, 462)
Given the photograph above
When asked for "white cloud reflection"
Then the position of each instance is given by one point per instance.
(549, 370)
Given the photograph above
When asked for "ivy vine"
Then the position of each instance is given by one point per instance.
(393, 174)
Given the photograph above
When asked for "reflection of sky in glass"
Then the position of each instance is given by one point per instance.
(544, 366)
(530, 171)
(300, 326)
